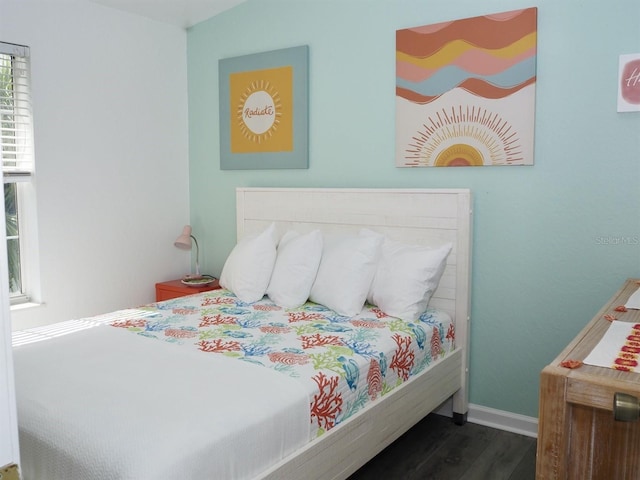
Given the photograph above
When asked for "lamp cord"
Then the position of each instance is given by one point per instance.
(197, 255)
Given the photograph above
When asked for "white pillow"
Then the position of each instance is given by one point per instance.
(406, 278)
(297, 261)
(248, 268)
(346, 270)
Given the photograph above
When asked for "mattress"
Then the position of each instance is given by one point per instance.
(206, 386)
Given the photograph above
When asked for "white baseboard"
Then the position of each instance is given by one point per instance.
(511, 422)
(500, 419)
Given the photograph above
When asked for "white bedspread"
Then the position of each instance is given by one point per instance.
(177, 426)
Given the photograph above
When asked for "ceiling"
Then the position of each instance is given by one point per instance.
(182, 13)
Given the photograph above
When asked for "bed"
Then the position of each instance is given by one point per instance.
(180, 389)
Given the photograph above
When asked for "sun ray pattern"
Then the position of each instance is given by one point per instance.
(465, 91)
(242, 113)
(489, 139)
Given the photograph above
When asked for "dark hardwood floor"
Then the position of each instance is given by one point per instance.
(438, 449)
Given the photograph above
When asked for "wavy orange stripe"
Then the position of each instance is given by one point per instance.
(452, 51)
(474, 86)
(504, 15)
(414, 97)
(483, 89)
(481, 31)
(431, 28)
(439, 26)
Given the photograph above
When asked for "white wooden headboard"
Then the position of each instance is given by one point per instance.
(418, 216)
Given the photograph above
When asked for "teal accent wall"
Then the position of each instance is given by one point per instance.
(552, 242)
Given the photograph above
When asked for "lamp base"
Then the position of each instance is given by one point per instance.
(197, 280)
(192, 276)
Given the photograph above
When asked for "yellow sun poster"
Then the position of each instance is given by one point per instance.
(465, 91)
(264, 111)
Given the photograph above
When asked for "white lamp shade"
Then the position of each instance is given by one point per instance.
(184, 240)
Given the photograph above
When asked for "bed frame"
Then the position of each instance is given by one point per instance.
(419, 216)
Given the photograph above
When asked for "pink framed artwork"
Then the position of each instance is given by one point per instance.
(465, 91)
(629, 83)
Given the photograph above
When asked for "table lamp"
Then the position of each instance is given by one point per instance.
(184, 242)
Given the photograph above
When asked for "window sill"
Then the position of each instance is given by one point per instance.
(24, 306)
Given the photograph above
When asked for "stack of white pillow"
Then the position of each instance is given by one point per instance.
(340, 272)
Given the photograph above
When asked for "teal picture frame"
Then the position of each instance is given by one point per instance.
(298, 157)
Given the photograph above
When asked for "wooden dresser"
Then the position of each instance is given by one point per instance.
(578, 437)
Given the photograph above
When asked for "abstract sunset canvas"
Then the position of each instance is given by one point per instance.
(465, 91)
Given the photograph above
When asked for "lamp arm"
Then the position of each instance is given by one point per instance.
(197, 255)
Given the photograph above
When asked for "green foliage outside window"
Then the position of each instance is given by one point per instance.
(13, 240)
(10, 189)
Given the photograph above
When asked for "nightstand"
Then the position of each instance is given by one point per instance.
(175, 289)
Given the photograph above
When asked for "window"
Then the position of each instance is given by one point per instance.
(16, 151)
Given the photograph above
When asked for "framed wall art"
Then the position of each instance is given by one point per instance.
(629, 83)
(264, 110)
(465, 91)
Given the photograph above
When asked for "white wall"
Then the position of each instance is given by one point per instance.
(111, 143)
(8, 416)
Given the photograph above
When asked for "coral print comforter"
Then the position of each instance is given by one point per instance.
(342, 362)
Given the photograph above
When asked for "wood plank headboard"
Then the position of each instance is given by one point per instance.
(417, 216)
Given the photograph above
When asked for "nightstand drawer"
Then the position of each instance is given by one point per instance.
(175, 289)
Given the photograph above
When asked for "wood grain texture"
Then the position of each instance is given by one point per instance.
(552, 420)
(577, 434)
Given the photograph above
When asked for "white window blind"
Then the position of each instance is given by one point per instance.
(16, 129)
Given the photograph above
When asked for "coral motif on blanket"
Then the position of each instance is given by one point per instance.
(327, 360)
(288, 358)
(317, 340)
(219, 345)
(367, 324)
(403, 358)
(374, 379)
(379, 313)
(217, 319)
(451, 333)
(213, 301)
(327, 403)
(184, 311)
(180, 333)
(135, 323)
(304, 316)
(274, 329)
(436, 343)
(266, 308)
